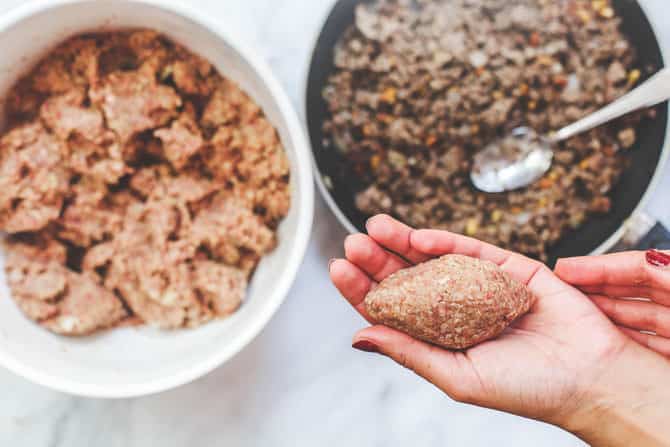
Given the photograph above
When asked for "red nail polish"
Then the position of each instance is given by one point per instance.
(365, 346)
(657, 258)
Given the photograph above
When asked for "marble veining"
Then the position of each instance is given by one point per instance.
(299, 383)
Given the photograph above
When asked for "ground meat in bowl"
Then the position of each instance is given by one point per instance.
(136, 184)
(420, 86)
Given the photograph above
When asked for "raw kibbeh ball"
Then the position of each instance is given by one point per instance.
(453, 301)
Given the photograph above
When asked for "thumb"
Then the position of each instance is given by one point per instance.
(452, 372)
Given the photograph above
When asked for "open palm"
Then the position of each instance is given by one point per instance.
(541, 367)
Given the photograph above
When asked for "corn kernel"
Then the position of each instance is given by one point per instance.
(471, 227)
(597, 5)
(606, 13)
(496, 215)
(384, 118)
(523, 89)
(389, 95)
(584, 15)
(374, 161)
(634, 76)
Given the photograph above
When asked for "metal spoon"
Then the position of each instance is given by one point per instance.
(523, 157)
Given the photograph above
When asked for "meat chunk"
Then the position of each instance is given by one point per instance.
(159, 183)
(160, 292)
(103, 161)
(251, 156)
(627, 137)
(61, 300)
(181, 140)
(228, 104)
(222, 287)
(86, 223)
(64, 114)
(36, 278)
(74, 63)
(192, 74)
(227, 227)
(33, 179)
(85, 307)
(133, 102)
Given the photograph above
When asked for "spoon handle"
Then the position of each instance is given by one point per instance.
(653, 91)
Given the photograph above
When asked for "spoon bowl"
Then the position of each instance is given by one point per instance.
(512, 162)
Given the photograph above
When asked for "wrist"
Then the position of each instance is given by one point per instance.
(627, 405)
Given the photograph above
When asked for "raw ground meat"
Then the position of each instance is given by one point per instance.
(33, 179)
(63, 301)
(454, 301)
(134, 102)
(421, 85)
(228, 229)
(136, 184)
(181, 141)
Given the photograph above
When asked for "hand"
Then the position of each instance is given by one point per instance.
(633, 292)
(560, 363)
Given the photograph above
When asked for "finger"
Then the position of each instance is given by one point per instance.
(352, 283)
(659, 296)
(365, 253)
(658, 344)
(438, 242)
(450, 371)
(617, 269)
(525, 270)
(640, 315)
(394, 236)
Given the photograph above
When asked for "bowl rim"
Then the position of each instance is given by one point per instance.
(609, 243)
(303, 228)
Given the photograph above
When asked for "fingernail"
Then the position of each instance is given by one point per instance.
(657, 258)
(367, 222)
(330, 263)
(365, 346)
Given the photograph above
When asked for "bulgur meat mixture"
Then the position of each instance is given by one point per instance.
(421, 85)
(136, 184)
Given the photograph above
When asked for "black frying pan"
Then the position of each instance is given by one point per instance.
(626, 196)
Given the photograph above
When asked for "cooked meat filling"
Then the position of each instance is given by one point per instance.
(422, 85)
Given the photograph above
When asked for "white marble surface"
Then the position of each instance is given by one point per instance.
(299, 383)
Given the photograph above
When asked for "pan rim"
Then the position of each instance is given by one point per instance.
(609, 243)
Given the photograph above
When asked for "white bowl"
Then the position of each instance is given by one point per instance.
(138, 361)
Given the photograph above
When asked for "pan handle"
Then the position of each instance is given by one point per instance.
(643, 232)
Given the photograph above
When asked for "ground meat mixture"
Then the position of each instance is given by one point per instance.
(421, 85)
(136, 184)
(453, 301)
